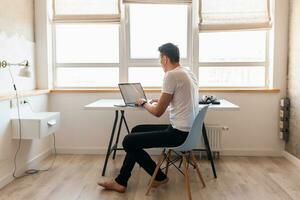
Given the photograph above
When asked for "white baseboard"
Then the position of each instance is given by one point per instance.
(251, 152)
(21, 169)
(81, 150)
(292, 158)
(225, 152)
(6, 180)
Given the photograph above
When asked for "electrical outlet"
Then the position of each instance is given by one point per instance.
(281, 135)
(13, 102)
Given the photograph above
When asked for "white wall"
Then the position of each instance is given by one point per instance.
(17, 44)
(15, 48)
(30, 149)
(293, 145)
(253, 129)
(16, 41)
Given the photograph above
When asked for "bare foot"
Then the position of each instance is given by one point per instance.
(112, 185)
(156, 184)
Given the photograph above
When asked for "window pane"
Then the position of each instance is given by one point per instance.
(147, 76)
(153, 25)
(87, 43)
(232, 76)
(87, 77)
(86, 7)
(246, 46)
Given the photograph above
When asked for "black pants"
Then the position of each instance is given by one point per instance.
(143, 137)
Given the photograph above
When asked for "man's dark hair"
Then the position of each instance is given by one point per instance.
(171, 51)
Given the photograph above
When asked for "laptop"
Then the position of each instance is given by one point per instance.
(131, 92)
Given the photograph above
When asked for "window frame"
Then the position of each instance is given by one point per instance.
(78, 65)
(125, 61)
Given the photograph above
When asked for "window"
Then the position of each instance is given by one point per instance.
(237, 76)
(98, 46)
(147, 76)
(87, 43)
(153, 25)
(233, 49)
(87, 77)
(242, 46)
(232, 59)
(85, 54)
(150, 26)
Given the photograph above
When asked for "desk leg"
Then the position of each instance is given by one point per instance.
(118, 135)
(110, 142)
(125, 122)
(119, 131)
(208, 151)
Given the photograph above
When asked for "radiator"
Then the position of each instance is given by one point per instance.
(214, 134)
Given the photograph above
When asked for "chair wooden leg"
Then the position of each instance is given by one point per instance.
(160, 160)
(180, 163)
(186, 175)
(168, 158)
(197, 168)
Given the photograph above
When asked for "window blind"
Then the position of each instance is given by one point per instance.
(220, 15)
(86, 10)
(158, 1)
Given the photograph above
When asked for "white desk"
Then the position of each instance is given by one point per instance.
(109, 104)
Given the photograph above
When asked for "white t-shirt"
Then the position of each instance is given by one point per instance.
(184, 107)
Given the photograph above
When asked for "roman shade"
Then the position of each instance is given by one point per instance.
(86, 11)
(159, 1)
(222, 15)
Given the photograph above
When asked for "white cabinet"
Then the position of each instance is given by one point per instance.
(35, 125)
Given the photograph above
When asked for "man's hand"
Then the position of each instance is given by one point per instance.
(157, 109)
(140, 102)
(153, 101)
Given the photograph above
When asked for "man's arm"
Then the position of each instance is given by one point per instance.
(160, 107)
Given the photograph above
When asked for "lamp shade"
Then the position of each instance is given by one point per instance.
(25, 72)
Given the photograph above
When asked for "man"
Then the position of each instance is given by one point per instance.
(180, 91)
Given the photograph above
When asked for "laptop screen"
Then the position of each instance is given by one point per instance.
(131, 92)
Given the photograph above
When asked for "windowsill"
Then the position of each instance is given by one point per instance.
(11, 95)
(26, 93)
(158, 89)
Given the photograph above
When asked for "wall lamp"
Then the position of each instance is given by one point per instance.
(24, 71)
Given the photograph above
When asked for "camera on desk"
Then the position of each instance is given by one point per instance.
(209, 99)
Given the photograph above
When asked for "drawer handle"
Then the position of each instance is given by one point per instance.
(52, 122)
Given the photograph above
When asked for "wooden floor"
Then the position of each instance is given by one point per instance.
(74, 177)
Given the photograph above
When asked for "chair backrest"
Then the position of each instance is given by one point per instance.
(193, 139)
